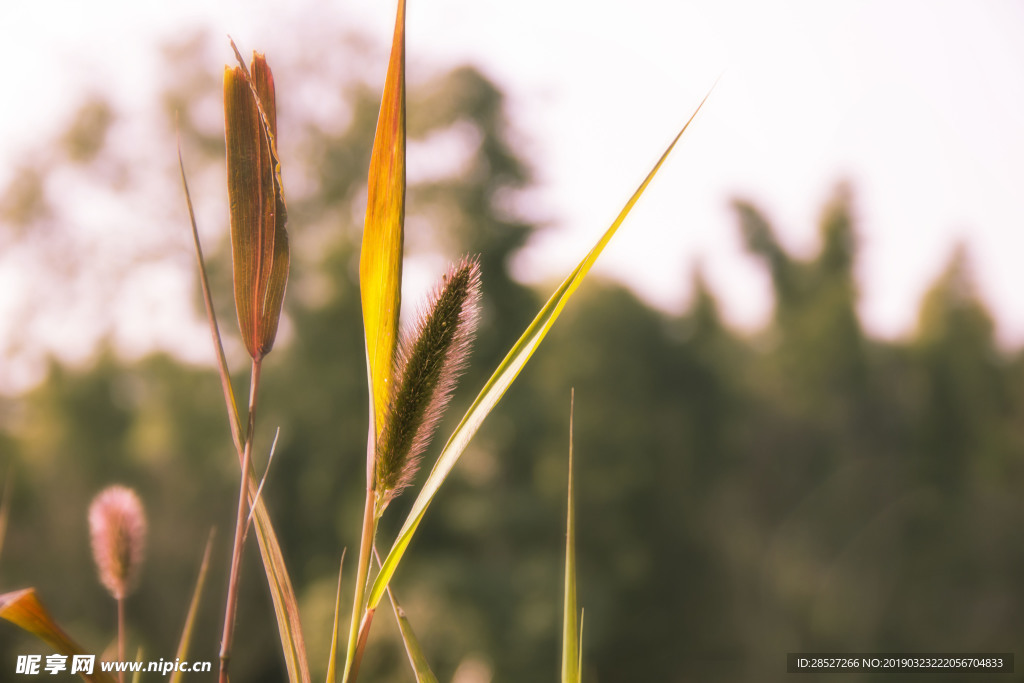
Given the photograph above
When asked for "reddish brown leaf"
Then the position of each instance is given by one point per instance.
(259, 241)
(23, 609)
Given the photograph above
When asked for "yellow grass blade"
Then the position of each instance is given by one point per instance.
(23, 609)
(500, 381)
(380, 262)
(286, 606)
(332, 661)
(571, 647)
(190, 618)
(380, 289)
(137, 676)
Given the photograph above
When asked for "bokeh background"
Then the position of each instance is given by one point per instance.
(799, 408)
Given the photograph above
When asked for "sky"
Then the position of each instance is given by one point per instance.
(915, 103)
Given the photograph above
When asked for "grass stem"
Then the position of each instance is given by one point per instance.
(360, 621)
(120, 635)
(241, 518)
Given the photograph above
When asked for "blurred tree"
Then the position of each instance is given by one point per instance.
(964, 400)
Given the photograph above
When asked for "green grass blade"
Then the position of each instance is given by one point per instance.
(500, 381)
(417, 660)
(193, 608)
(332, 661)
(137, 676)
(571, 650)
(579, 662)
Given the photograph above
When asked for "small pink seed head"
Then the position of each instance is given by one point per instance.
(117, 525)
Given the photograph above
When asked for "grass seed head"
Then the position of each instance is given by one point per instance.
(428, 364)
(117, 525)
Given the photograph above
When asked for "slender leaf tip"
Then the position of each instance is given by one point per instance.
(380, 259)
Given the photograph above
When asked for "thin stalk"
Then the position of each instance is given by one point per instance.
(222, 361)
(364, 633)
(356, 644)
(120, 635)
(240, 526)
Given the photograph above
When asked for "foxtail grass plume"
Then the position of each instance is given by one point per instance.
(427, 366)
(259, 241)
(117, 525)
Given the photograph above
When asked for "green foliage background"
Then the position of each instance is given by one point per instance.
(740, 496)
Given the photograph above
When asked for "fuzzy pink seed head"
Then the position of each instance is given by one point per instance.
(117, 525)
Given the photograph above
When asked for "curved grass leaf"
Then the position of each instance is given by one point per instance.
(500, 381)
(380, 261)
(23, 609)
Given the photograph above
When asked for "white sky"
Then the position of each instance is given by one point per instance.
(917, 103)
